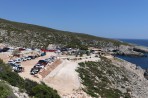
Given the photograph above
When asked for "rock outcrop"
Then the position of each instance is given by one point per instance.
(130, 50)
(19, 94)
(113, 78)
(146, 74)
(137, 83)
(140, 49)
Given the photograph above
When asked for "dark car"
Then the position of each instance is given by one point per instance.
(64, 49)
(43, 54)
(16, 67)
(12, 64)
(22, 49)
(1, 50)
(5, 49)
(42, 62)
(32, 57)
(19, 69)
(34, 71)
(39, 66)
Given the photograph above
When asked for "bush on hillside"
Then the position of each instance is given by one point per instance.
(94, 77)
(6, 91)
(32, 88)
(42, 91)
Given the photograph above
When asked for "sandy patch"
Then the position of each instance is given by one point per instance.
(64, 78)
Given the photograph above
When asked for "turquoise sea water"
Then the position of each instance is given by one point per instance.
(139, 61)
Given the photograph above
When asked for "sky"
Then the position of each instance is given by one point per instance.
(105, 18)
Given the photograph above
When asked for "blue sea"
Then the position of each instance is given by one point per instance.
(139, 61)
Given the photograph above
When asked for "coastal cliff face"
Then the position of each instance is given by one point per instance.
(137, 84)
(128, 50)
(113, 78)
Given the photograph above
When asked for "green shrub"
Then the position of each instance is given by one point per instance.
(13, 78)
(29, 85)
(94, 77)
(32, 88)
(43, 91)
(6, 91)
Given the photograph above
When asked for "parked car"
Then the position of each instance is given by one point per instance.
(28, 49)
(22, 49)
(11, 62)
(64, 49)
(18, 60)
(5, 49)
(48, 60)
(28, 58)
(1, 50)
(32, 57)
(19, 69)
(24, 58)
(36, 56)
(43, 54)
(53, 57)
(39, 66)
(42, 62)
(34, 71)
(15, 66)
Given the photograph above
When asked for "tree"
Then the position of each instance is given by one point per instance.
(88, 53)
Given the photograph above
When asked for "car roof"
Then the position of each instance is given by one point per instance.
(10, 61)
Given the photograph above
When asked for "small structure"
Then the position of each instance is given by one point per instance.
(97, 51)
(51, 47)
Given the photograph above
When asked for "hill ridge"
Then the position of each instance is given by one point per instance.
(30, 35)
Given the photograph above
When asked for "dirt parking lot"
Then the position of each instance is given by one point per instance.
(27, 64)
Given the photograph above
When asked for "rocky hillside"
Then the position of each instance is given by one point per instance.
(28, 35)
(113, 78)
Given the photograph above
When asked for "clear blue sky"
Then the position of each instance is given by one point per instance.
(106, 18)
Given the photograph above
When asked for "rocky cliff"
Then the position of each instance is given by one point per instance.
(113, 78)
(128, 50)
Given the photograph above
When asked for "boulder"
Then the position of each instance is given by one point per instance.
(146, 74)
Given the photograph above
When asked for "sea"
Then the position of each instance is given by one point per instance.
(139, 61)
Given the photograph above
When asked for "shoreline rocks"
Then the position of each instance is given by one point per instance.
(146, 74)
(135, 51)
(140, 49)
(137, 83)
